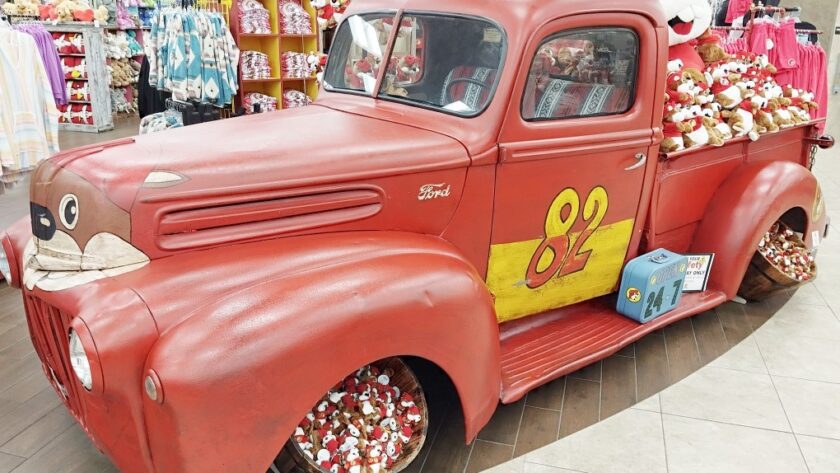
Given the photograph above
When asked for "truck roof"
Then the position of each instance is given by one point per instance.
(518, 15)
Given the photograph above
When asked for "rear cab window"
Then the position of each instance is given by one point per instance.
(582, 73)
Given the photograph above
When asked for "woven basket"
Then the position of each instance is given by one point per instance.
(763, 278)
(406, 380)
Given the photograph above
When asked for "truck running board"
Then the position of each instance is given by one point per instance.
(545, 347)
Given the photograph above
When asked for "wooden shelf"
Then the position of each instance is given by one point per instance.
(95, 77)
(267, 79)
(274, 45)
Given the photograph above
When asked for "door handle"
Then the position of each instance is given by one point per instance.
(641, 158)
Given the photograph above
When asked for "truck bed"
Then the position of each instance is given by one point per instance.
(687, 180)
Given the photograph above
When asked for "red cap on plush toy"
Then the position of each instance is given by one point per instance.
(687, 21)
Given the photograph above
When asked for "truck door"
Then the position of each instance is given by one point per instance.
(576, 150)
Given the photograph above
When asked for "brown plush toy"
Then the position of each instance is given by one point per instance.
(674, 127)
(716, 136)
(763, 116)
(709, 48)
(781, 115)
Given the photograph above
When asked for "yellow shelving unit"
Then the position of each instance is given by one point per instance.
(274, 45)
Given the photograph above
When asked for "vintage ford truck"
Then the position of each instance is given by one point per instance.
(191, 294)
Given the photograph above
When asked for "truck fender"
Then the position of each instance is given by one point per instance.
(754, 197)
(238, 376)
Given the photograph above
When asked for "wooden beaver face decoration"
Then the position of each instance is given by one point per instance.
(79, 235)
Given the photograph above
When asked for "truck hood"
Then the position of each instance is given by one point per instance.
(99, 211)
(285, 149)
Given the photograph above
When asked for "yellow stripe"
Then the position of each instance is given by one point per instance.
(509, 264)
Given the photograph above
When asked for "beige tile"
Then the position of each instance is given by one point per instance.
(630, 441)
(808, 294)
(651, 404)
(802, 320)
(744, 356)
(800, 357)
(703, 446)
(723, 395)
(9, 462)
(813, 407)
(821, 455)
(537, 468)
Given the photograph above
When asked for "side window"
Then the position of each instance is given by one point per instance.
(582, 73)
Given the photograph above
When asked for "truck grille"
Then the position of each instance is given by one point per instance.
(49, 329)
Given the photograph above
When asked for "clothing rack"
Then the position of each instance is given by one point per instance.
(741, 28)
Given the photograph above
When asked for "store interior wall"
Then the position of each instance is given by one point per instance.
(822, 13)
(834, 64)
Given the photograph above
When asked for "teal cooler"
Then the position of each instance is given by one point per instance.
(651, 285)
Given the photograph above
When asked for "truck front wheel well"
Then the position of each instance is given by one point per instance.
(443, 405)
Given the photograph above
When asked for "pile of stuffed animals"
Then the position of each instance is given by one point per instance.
(74, 67)
(783, 248)
(731, 98)
(21, 8)
(362, 425)
(77, 91)
(63, 11)
(711, 96)
(122, 45)
(124, 72)
(69, 43)
(123, 100)
(79, 114)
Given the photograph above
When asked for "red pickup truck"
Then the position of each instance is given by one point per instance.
(192, 294)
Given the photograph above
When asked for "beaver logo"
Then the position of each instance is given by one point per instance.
(634, 295)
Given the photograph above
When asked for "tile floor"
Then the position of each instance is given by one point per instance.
(741, 388)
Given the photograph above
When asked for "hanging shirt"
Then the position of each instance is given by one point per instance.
(28, 116)
(49, 56)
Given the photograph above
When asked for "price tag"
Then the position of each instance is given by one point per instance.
(697, 273)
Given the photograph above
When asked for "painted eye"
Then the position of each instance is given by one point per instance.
(68, 211)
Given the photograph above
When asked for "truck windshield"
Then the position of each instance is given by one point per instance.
(447, 63)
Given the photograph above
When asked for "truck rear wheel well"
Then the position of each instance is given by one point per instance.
(796, 219)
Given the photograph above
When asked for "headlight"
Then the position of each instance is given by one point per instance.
(80, 362)
(5, 267)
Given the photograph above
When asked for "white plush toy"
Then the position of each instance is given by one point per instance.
(687, 21)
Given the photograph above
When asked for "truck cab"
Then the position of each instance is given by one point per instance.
(448, 197)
